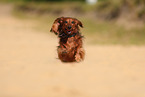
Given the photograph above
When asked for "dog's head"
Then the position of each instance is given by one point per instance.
(66, 25)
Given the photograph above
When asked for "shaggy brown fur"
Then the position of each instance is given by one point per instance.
(70, 44)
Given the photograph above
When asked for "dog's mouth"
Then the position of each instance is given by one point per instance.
(69, 31)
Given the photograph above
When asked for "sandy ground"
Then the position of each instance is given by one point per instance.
(29, 66)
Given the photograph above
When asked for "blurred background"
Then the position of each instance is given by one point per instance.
(105, 21)
(114, 43)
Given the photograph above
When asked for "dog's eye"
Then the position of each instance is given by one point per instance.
(65, 21)
(72, 22)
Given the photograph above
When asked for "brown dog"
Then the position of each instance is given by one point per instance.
(70, 44)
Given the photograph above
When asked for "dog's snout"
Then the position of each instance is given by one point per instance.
(69, 27)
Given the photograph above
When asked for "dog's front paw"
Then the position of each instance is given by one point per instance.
(78, 58)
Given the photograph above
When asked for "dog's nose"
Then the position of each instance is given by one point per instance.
(69, 27)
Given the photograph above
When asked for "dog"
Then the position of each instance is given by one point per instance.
(70, 47)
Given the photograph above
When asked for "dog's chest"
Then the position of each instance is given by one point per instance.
(72, 42)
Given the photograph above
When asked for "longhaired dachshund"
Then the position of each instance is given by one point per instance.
(70, 39)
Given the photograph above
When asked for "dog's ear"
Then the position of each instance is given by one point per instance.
(56, 24)
(79, 23)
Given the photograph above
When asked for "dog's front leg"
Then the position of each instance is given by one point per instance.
(79, 54)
